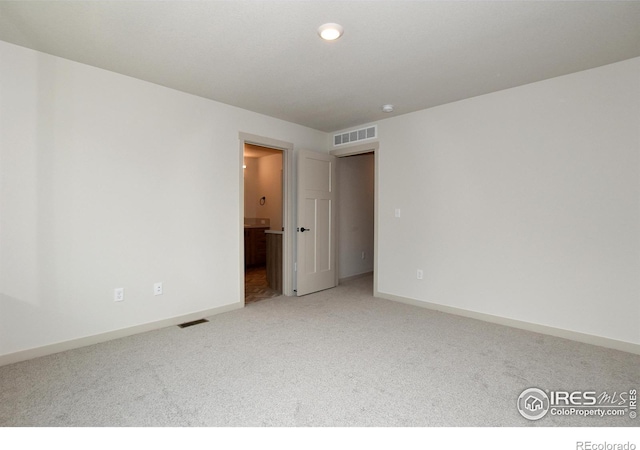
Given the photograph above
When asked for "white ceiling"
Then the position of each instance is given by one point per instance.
(265, 56)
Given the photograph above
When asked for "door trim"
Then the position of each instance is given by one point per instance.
(288, 208)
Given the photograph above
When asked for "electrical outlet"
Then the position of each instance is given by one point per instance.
(118, 295)
(157, 288)
(363, 255)
(397, 212)
(419, 274)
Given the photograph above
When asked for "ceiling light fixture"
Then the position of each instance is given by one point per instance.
(330, 31)
(387, 108)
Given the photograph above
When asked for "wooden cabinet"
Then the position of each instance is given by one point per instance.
(255, 247)
(274, 261)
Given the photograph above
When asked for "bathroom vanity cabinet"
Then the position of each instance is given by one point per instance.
(255, 246)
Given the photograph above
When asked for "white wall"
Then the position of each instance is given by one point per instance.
(251, 188)
(522, 204)
(356, 176)
(270, 187)
(107, 181)
(263, 178)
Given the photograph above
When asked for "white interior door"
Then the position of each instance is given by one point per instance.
(316, 259)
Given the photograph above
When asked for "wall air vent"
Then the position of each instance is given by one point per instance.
(349, 137)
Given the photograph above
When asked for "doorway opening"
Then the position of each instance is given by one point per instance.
(265, 215)
(357, 213)
(263, 222)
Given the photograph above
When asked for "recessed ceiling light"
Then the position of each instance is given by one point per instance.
(330, 31)
(387, 108)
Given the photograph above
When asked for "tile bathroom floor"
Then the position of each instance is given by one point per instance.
(255, 285)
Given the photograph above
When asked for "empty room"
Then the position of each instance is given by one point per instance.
(450, 238)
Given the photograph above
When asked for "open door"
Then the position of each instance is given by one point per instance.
(316, 260)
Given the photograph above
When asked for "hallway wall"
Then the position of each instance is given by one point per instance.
(356, 177)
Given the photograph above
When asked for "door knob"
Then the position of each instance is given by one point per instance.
(303, 229)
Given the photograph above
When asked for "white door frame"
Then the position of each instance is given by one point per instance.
(358, 149)
(288, 221)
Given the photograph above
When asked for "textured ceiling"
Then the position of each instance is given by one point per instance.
(265, 56)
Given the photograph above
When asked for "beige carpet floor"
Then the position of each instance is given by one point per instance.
(335, 358)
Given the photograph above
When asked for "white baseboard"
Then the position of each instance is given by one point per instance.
(31, 353)
(355, 277)
(600, 341)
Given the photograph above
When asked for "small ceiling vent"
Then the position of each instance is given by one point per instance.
(349, 137)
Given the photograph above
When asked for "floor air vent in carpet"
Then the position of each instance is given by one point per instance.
(190, 324)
